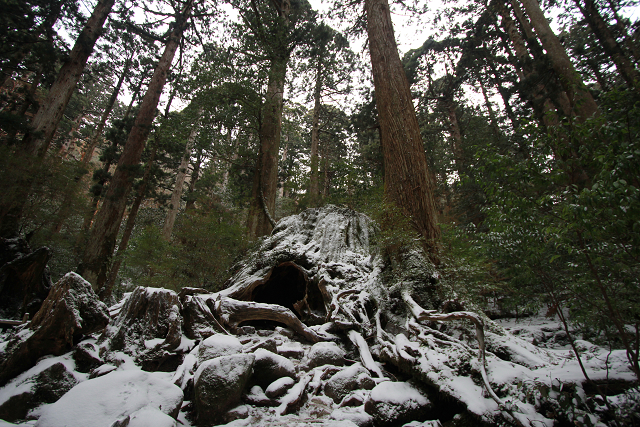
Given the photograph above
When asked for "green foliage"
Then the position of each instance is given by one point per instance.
(577, 245)
(203, 247)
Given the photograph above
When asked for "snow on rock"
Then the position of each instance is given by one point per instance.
(70, 311)
(356, 416)
(46, 382)
(218, 385)
(279, 387)
(102, 401)
(149, 416)
(270, 366)
(218, 345)
(257, 397)
(348, 379)
(396, 402)
(324, 353)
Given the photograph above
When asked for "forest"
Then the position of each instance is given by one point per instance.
(159, 143)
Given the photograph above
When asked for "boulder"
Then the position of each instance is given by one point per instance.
(27, 392)
(113, 398)
(86, 357)
(395, 403)
(279, 387)
(146, 417)
(257, 397)
(218, 345)
(355, 415)
(219, 384)
(70, 311)
(291, 350)
(24, 278)
(270, 367)
(351, 378)
(148, 326)
(324, 353)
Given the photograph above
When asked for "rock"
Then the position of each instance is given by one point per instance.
(101, 402)
(348, 379)
(279, 387)
(324, 353)
(270, 367)
(395, 403)
(218, 345)
(355, 415)
(247, 330)
(148, 325)
(238, 413)
(268, 344)
(256, 397)
(24, 278)
(291, 350)
(219, 384)
(70, 311)
(356, 398)
(147, 417)
(46, 386)
(86, 357)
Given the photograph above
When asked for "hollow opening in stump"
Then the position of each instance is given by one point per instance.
(289, 287)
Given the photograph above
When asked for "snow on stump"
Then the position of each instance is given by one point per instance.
(270, 367)
(148, 326)
(70, 311)
(396, 403)
(349, 379)
(113, 398)
(219, 384)
(218, 345)
(324, 353)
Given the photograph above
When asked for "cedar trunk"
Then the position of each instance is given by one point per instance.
(176, 196)
(46, 120)
(581, 100)
(99, 250)
(609, 43)
(407, 180)
(95, 138)
(314, 192)
(265, 179)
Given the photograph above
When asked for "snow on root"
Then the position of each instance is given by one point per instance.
(102, 401)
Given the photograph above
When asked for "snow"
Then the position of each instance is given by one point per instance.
(398, 393)
(150, 416)
(218, 345)
(101, 401)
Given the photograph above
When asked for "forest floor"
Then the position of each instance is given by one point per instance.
(602, 365)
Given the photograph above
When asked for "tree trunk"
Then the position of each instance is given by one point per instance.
(609, 43)
(176, 196)
(456, 134)
(314, 192)
(265, 179)
(106, 291)
(46, 120)
(583, 104)
(95, 138)
(407, 179)
(191, 201)
(99, 249)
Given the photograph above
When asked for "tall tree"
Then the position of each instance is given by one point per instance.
(99, 250)
(45, 122)
(408, 181)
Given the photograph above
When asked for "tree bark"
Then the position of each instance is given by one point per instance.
(176, 195)
(265, 179)
(609, 43)
(99, 249)
(191, 201)
(95, 138)
(107, 290)
(314, 191)
(407, 180)
(45, 122)
(582, 103)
